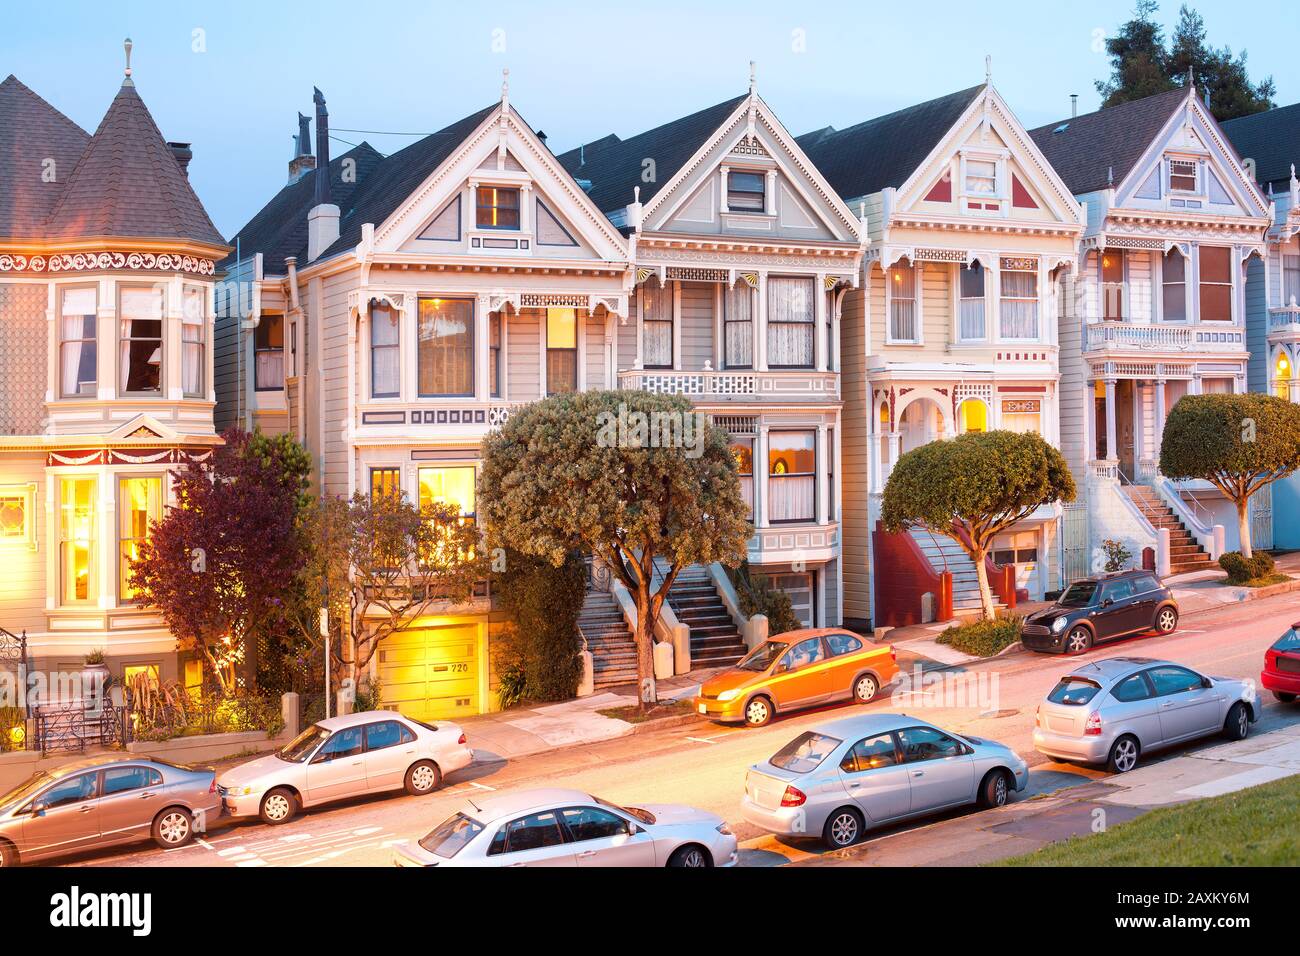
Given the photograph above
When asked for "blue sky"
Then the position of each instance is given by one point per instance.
(578, 69)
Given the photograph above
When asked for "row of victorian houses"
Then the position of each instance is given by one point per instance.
(832, 300)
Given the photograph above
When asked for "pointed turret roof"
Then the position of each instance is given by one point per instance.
(39, 147)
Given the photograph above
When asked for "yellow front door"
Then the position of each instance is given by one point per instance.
(431, 672)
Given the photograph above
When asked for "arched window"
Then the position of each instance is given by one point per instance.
(1283, 372)
(974, 416)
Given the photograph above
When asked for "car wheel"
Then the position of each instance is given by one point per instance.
(1123, 754)
(423, 777)
(1237, 726)
(843, 828)
(1078, 641)
(1284, 697)
(758, 712)
(691, 855)
(995, 790)
(1166, 620)
(278, 807)
(865, 689)
(8, 854)
(173, 828)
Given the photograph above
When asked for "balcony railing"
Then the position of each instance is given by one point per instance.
(796, 385)
(1132, 336)
(1285, 322)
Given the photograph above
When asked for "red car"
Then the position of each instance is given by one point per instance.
(1281, 672)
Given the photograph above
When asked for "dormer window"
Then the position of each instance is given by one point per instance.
(1182, 176)
(745, 192)
(497, 208)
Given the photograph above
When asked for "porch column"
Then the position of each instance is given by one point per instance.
(895, 443)
(820, 515)
(873, 457)
(819, 320)
(760, 478)
(1160, 415)
(1090, 421)
(760, 327)
(639, 361)
(1112, 448)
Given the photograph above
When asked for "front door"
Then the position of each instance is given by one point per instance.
(941, 772)
(603, 838)
(339, 767)
(876, 780)
(1186, 708)
(64, 818)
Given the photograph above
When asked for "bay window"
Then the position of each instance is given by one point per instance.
(745, 192)
(445, 357)
(561, 351)
(1290, 280)
(738, 326)
(1216, 284)
(194, 310)
(902, 302)
(78, 498)
(1173, 284)
(791, 476)
(141, 311)
(268, 353)
(385, 351)
(78, 351)
(971, 283)
(1019, 300)
(656, 303)
(448, 485)
(1112, 285)
(139, 502)
(742, 449)
(497, 208)
(790, 321)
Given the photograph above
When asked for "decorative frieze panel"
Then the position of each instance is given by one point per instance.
(491, 416)
(736, 424)
(119, 456)
(1019, 263)
(696, 274)
(543, 300)
(941, 255)
(95, 261)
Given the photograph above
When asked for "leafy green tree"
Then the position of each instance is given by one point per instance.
(973, 488)
(1238, 443)
(628, 477)
(1137, 56)
(544, 602)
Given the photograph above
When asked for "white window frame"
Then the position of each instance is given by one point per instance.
(917, 306)
(958, 299)
(27, 491)
(1170, 189)
(1001, 194)
(1039, 314)
(1159, 272)
(60, 389)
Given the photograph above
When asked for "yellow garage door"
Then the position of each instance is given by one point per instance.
(431, 673)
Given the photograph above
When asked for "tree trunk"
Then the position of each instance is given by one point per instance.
(645, 658)
(986, 593)
(1243, 527)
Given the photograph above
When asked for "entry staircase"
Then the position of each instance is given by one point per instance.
(1185, 553)
(609, 639)
(945, 554)
(715, 640)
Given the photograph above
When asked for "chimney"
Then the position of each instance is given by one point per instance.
(303, 161)
(542, 136)
(183, 155)
(323, 220)
(1074, 105)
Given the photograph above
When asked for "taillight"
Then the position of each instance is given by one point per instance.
(793, 797)
(1038, 716)
(893, 654)
(1092, 726)
(212, 787)
(463, 739)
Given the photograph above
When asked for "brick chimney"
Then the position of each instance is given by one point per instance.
(323, 220)
(303, 161)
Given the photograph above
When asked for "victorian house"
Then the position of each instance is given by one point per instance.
(107, 266)
(1155, 311)
(390, 310)
(950, 331)
(1270, 145)
(743, 257)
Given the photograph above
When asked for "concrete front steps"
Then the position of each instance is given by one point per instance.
(715, 640)
(945, 554)
(609, 639)
(1185, 554)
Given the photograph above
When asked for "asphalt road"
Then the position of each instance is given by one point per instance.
(704, 764)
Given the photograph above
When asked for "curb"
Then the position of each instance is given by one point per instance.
(660, 723)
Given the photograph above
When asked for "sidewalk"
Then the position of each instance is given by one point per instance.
(1206, 590)
(920, 638)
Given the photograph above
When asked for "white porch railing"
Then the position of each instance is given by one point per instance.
(1104, 469)
(785, 384)
(1285, 321)
(1132, 336)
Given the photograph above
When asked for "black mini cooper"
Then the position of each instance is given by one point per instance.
(1101, 609)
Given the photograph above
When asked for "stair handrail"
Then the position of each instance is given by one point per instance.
(938, 547)
(1171, 494)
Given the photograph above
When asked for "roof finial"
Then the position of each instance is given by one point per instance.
(1110, 175)
(988, 70)
(127, 46)
(753, 78)
(505, 86)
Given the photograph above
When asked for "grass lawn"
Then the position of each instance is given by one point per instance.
(1263, 582)
(983, 638)
(1253, 827)
(664, 708)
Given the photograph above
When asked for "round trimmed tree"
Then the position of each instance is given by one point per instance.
(1238, 443)
(973, 488)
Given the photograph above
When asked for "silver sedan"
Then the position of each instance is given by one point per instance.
(1112, 711)
(840, 778)
(554, 827)
(376, 751)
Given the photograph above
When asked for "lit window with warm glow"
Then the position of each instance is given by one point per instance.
(448, 486)
(139, 502)
(385, 483)
(1282, 374)
(497, 208)
(561, 350)
(974, 416)
(17, 505)
(77, 499)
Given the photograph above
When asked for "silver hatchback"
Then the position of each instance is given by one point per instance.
(1112, 711)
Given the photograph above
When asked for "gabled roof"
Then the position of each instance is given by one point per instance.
(887, 150)
(1097, 150)
(129, 184)
(1271, 139)
(380, 186)
(614, 166)
(32, 131)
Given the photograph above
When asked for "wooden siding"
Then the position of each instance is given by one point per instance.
(852, 469)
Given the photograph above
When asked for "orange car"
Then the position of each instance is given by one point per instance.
(798, 669)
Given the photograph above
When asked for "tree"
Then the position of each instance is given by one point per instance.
(1238, 443)
(973, 488)
(543, 602)
(218, 562)
(628, 477)
(1142, 64)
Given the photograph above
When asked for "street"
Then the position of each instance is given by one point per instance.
(703, 764)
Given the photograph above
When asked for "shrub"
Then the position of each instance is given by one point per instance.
(544, 602)
(368, 696)
(1242, 569)
(1117, 556)
(1235, 565)
(511, 683)
(983, 638)
(757, 596)
(95, 657)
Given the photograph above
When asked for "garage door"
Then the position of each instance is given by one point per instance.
(431, 673)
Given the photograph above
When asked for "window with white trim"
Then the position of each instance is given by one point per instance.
(268, 353)
(972, 326)
(17, 516)
(1290, 280)
(1018, 308)
(78, 351)
(194, 310)
(790, 321)
(1173, 286)
(1183, 175)
(903, 320)
(1216, 284)
(746, 192)
(656, 325)
(981, 177)
(385, 351)
(738, 326)
(141, 311)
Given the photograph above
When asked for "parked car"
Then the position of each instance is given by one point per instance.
(104, 801)
(1281, 672)
(371, 752)
(840, 778)
(1113, 711)
(553, 827)
(1101, 609)
(798, 669)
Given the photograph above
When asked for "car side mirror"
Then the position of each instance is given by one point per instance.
(37, 809)
(1107, 602)
(1206, 682)
(321, 758)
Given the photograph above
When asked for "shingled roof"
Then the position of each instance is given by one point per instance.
(380, 186)
(32, 132)
(1095, 150)
(614, 166)
(1271, 139)
(884, 151)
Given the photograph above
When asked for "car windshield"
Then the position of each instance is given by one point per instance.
(452, 836)
(805, 752)
(25, 789)
(1290, 641)
(761, 657)
(645, 816)
(1074, 691)
(1078, 594)
(302, 746)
